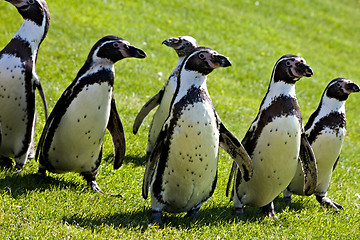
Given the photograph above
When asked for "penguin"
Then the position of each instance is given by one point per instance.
(182, 168)
(274, 141)
(325, 130)
(18, 81)
(182, 45)
(73, 135)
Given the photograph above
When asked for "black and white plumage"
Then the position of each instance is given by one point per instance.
(183, 45)
(182, 168)
(325, 131)
(73, 135)
(18, 81)
(273, 141)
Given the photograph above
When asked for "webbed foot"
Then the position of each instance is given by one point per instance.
(156, 218)
(287, 200)
(91, 181)
(326, 202)
(269, 211)
(19, 167)
(95, 187)
(6, 163)
(239, 212)
(192, 214)
(41, 174)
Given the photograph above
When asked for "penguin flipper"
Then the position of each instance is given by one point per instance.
(148, 106)
(49, 120)
(63, 100)
(42, 95)
(308, 164)
(231, 176)
(236, 150)
(153, 160)
(116, 130)
(335, 164)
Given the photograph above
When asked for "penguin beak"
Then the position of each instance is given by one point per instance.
(352, 87)
(172, 42)
(135, 52)
(219, 60)
(304, 70)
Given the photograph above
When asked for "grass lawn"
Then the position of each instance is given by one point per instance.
(254, 35)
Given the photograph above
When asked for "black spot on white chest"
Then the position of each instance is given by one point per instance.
(78, 138)
(14, 114)
(193, 146)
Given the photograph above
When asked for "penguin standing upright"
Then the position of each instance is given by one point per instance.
(325, 131)
(183, 46)
(182, 168)
(73, 135)
(273, 141)
(18, 81)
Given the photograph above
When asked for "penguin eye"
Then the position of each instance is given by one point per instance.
(201, 56)
(116, 45)
(288, 63)
(31, 1)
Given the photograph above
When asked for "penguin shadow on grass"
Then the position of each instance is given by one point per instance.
(18, 184)
(254, 214)
(210, 216)
(141, 219)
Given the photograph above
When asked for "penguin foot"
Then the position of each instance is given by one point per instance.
(19, 167)
(269, 211)
(287, 200)
(326, 202)
(95, 187)
(156, 218)
(6, 163)
(91, 181)
(239, 212)
(41, 174)
(192, 214)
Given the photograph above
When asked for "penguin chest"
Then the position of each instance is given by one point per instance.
(78, 138)
(275, 160)
(191, 166)
(14, 108)
(327, 147)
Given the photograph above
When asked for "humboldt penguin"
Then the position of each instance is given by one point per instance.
(274, 141)
(73, 135)
(182, 45)
(182, 168)
(325, 131)
(18, 81)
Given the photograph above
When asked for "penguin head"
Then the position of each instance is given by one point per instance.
(341, 88)
(290, 68)
(183, 45)
(33, 10)
(113, 49)
(204, 60)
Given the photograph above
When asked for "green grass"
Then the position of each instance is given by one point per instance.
(253, 36)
